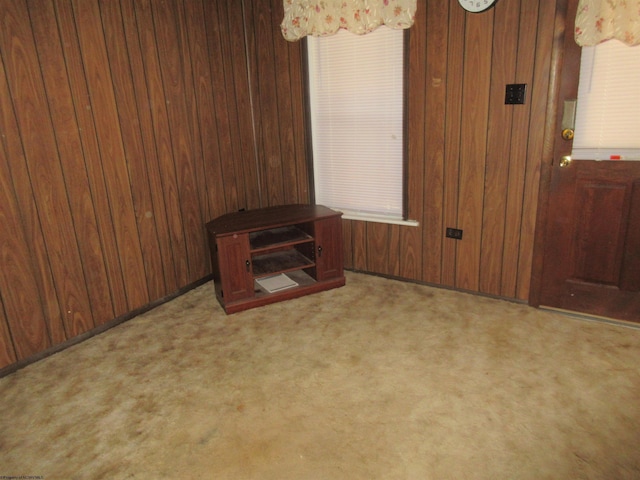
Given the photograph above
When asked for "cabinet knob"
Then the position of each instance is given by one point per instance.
(319, 250)
(248, 264)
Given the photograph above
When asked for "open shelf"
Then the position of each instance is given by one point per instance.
(299, 276)
(279, 262)
(277, 237)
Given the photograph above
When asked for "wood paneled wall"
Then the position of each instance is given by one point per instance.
(474, 162)
(125, 125)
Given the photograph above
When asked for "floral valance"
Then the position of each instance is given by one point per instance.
(601, 20)
(326, 17)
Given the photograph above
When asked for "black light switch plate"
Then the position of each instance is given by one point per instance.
(515, 94)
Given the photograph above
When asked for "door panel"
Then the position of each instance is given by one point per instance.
(630, 280)
(592, 234)
(592, 242)
(601, 227)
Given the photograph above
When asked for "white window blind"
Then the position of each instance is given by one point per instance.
(608, 110)
(356, 101)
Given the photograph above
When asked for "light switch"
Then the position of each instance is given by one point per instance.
(515, 94)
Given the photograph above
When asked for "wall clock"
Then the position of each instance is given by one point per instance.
(477, 6)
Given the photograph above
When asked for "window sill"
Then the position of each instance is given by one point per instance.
(372, 217)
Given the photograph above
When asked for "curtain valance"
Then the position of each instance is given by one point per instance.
(326, 17)
(601, 20)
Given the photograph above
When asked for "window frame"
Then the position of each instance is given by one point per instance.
(380, 218)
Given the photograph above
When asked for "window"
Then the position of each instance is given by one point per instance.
(607, 120)
(356, 94)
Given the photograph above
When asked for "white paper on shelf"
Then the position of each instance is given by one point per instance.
(276, 283)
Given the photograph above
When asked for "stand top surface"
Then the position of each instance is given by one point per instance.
(269, 217)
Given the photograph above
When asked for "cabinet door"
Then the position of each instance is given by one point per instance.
(328, 235)
(235, 267)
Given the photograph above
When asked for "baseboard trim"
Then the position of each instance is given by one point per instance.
(14, 367)
(592, 318)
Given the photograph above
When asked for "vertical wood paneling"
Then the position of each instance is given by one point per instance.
(359, 243)
(475, 113)
(434, 132)
(276, 96)
(298, 119)
(210, 189)
(283, 86)
(347, 236)
(410, 251)
(499, 162)
(518, 154)
(253, 39)
(91, 155)
(7, 351)
(200, 95)
(133, 145)
(246, 112)
(378, 251)
(393, 263)
(43, 165)
(22, 311)
(230, 166)
(60, 99)
(174, 65)
(150, 168)
(163, 138)
(125, 127)
(162, 162)
(538, 147)
(273, 169)
(112, 154)
(453, 122)
(15, 170)
(189, 40)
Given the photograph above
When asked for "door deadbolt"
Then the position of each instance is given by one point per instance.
(567, 134)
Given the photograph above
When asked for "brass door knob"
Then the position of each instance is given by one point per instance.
(565, 161)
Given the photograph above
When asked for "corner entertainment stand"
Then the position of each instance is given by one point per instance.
(299, 247)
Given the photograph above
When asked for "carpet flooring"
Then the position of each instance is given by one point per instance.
(380, 379)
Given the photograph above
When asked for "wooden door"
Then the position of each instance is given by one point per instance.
(592, 235)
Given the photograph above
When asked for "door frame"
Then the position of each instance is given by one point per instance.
(560, 67)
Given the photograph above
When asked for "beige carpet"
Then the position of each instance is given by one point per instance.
(379, 379)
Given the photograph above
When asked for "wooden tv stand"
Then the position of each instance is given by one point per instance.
(303, 242)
